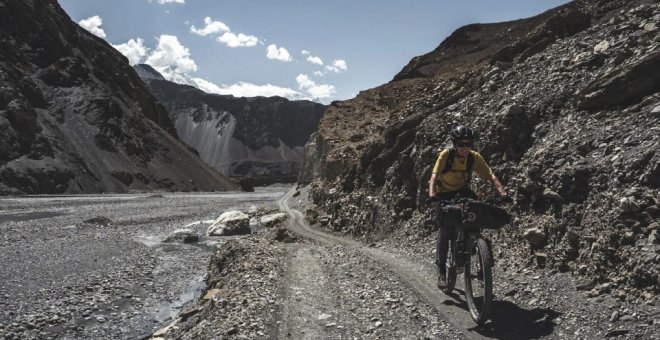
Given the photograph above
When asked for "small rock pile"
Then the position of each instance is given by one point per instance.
(240, 299)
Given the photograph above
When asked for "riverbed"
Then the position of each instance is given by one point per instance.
(95, 266)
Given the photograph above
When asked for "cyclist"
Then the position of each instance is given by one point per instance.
(454, 169)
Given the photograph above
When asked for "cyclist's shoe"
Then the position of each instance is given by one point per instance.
(442, 282)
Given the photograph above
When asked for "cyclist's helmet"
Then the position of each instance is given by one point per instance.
(461, 132)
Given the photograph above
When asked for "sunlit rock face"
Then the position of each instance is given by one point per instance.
(258, 138)
(565, 107)
(76, 118)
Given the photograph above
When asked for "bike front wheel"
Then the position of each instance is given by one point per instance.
(478, 279)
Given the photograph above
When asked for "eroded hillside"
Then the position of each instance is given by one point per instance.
(76, 118)
(567, 108)
(257, 139)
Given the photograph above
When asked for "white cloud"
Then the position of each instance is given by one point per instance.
(241, 40)
(337, 65)
(207, 86)
(315, 60)
(93, 25)
(133, 50)
(172, 60)
(245, 89)
(313, 89)
(272, 52)
(305, 52)
(211, 27)
(319, 73)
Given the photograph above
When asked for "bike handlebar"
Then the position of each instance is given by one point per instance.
(498, 200)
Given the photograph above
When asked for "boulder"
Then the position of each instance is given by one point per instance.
(182, 236)
(654, 237)
(628, 205)
(536, 237)
(230, 223)
(273, 219)
(253, 210)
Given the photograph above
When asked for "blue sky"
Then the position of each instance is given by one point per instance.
(299, 49)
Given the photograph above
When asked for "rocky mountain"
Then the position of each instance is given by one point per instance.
(76, 118)
(258, 139)
(567, 108)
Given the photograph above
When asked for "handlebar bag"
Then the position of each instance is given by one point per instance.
(450, 215)
(484, 215)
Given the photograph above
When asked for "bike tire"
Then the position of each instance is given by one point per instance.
(450, 275)
(479, 257)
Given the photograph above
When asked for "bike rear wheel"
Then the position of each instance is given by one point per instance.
(478, 279)
(450, 275)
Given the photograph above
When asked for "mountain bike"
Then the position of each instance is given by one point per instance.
(469, 251)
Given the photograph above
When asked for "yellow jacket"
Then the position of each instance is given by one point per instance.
(457, 177)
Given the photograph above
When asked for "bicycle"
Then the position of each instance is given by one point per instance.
(470, 251)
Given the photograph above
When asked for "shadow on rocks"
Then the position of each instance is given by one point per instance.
(509, 321)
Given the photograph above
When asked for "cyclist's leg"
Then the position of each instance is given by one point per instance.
(442, 245)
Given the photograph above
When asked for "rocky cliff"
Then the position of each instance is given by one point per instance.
(76, 118)
(258, 139)
(567, 108)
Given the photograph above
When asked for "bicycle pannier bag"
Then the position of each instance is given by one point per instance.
(483, 215)
(451, 215)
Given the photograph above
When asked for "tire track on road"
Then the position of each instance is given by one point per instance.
(420, 277)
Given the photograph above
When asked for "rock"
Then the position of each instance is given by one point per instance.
(602, 46)
(324, 316)
(614, 316)
(586, 285)
(99, 221)
(211, 294)
(628, 238)
(541, 259)
(552, 196)
(163, 331)
(654, 237)
(283, 235)
(656, 111)
(650, 27)
(182, 236)
(357, 137)
(253, 210)
(230, 223)
(572, 237)
(535, 237)
(627, 318)
(594, 293)
(616, 332)
(324, 220)
(628, 205)
(273, 219)
(511, 292)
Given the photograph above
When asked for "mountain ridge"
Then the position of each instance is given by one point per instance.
(257, 139)
(78, 119)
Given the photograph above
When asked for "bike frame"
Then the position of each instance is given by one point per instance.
(463, 240)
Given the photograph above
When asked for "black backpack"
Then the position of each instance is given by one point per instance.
(450, 163)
